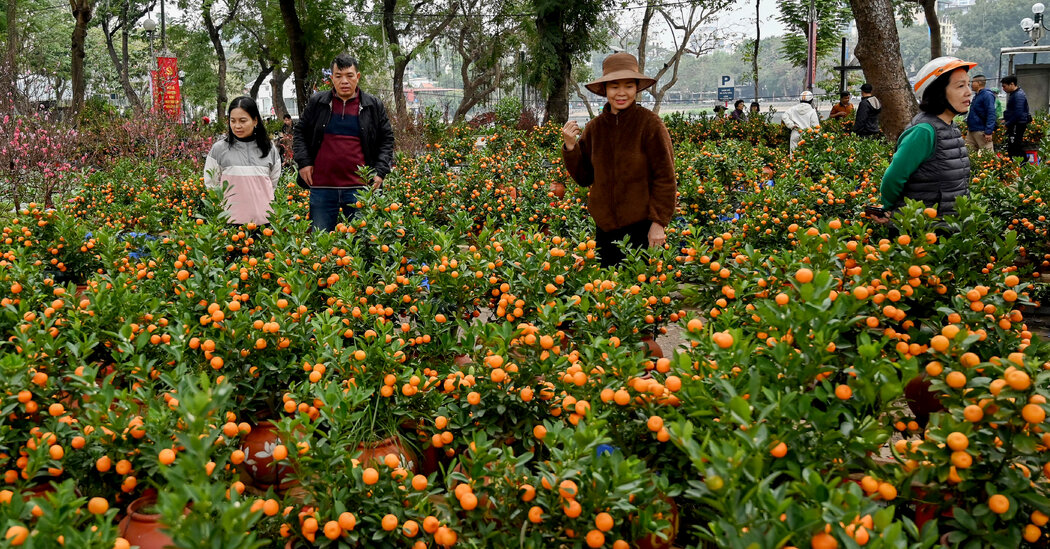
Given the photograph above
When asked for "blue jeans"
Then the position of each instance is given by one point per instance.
(327, 204)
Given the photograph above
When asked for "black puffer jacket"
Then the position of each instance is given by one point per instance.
(377, 137)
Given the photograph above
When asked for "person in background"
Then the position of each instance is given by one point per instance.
(981, 121)
(843, 108)
(247, 161)
(867, 122)
(624, 155)
(755, 110)
(720, 111)
(285, 138)
(340, 131)
(931, 163)
(1016, 117)
(801, 117)
(738, 113)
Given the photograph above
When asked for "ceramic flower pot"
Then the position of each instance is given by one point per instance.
(654, 541)
(143, 528)
(373, 453)
(258, 465)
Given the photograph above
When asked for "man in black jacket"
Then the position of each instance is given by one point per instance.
(340, 131)
(867, 122)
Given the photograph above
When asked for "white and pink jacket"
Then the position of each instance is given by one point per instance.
(252, 178)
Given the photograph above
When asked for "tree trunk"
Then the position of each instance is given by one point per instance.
(11, 58)
(120, 62)
(220, 55)
(82, 13)
(277, 87)
(758, 41)
(557, 106)
(584, 98)
(879, 52)
(297, 46)
(393, 37)
(264, 71)
(643, 37)
(929, 8)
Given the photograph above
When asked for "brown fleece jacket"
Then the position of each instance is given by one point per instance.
(627, 161)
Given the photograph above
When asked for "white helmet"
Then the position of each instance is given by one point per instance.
(933, 70)
(806, 96)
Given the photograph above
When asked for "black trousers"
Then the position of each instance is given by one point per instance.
(609, 252)
(1015, 140)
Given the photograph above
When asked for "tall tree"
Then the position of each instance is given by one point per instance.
(83, 11)
(424, 21)
(10, 71)
(214, 23)
(683, 22)
(879, 53)
(482, 42)
(758, 43)
(121, 16)
(832, 18)
(906, 10)
(297, 47)
(564, 31)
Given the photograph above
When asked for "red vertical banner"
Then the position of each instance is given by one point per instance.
(170, 101)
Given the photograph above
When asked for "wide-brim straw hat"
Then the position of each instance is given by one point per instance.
(619, 66)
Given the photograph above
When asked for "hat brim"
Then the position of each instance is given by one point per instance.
(598, 86)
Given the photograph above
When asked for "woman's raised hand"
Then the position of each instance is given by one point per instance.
(570, 134)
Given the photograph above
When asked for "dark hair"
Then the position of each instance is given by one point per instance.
(866, 88)
(738, 103)
(755, 105)
(843, 94)
(345, 61)
(935, 98)
(262, 139)
(287, 116)
(1012, 80)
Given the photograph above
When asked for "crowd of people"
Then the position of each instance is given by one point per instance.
(343, 146)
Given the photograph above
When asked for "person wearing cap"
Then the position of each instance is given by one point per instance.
(931, 163)
(624, 155)
(801, 117)
(867, 122)
(981, 119)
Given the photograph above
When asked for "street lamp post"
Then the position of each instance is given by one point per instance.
(150, 26)
(1035, 26)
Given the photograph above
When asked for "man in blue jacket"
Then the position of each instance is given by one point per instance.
(1016, 116)
(981, 122)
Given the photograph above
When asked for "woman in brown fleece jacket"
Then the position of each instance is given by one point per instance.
(625, 157)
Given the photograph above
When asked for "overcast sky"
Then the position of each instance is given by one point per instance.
(741, 18)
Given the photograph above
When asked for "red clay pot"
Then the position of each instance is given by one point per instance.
(258, 463)
(653, 541)
(652, 348)
(558, 188)
(372, 453)
(141, 529)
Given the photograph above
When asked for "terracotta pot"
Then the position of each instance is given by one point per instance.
(373, 453)
(652, 348)
(462, 360)
(653, 541)
(258, 463)
(558, 188)
(141, 529)
(921, 400)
